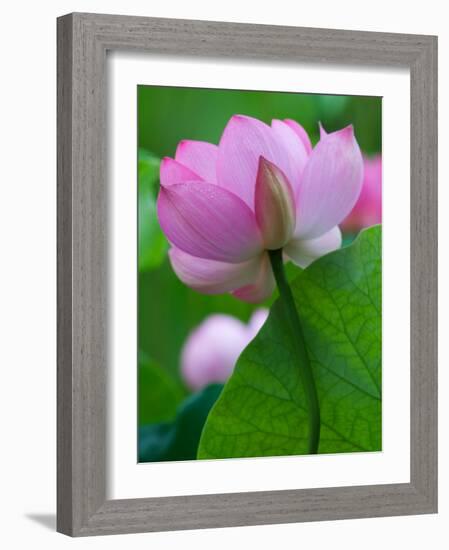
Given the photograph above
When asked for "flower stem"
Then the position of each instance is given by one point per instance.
(297, 336)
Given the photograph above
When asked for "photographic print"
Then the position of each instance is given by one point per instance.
(259, 274)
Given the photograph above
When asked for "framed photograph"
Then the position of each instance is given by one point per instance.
(247, 274)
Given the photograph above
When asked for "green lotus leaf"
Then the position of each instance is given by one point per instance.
(262, 410)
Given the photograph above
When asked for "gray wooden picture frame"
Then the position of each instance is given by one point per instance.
(83, 41)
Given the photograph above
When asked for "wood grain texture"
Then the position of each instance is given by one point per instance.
(64, 277)
(83, 40)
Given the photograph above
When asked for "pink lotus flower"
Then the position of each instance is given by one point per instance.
(368, 208)
(212, 349)
(262, 188)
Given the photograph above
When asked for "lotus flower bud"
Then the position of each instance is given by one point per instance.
(368, 208)
(274, 205)
(211, 350)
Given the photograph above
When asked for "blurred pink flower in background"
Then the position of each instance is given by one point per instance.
(262, 188)
(368, 208)
(211, 350)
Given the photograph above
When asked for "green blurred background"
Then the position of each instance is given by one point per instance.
(167, 309)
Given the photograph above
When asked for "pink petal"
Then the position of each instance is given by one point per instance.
(323, 132)
(274, 205)
(294, 146)
(208, 221)
(301, 133)
(212, 349)
(244, 140)
(210, 276)
(200, 157)
(262, 288)
(172, 171)
(304, 252)
(330, 185)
